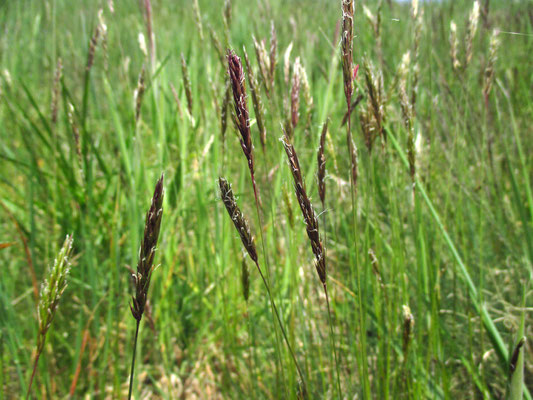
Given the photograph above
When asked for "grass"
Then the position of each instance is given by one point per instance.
(428, 258)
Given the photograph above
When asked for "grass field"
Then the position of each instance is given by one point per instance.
(423, 221)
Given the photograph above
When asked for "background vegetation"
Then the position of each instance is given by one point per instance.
(392, 259)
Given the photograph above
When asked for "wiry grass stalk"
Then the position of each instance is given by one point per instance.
(142, 278)
(349, 73)
(241, 224)
(311, 223)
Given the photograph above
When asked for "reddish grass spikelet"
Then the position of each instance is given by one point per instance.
(186, 83)
(416, 16)
(321, 163)
(273, 53)
(224, 111)
(139, 93)
(295, 94)
(145, 267)
(75, 131)
(92, 47)
(310, 219)
(242, 120)
(256, 100)
(347, 48)
(241, 224)
(141, 279)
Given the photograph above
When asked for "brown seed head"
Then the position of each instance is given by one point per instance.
(321, 161)
(186, 83)
(256, 100)
(295, 94)
(141, 279)
(310, 219)
(238, 87)
(408, 324)
(226, 193)
(92, 47)
(139, 93)
(374, 84)
(347, 48)
(245, 280)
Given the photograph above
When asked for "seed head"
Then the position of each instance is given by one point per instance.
(321, 161)
(226, 193)
(141, 279)
(53, 287)
(238, 86)
(310, 219)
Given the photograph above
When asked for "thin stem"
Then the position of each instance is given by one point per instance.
(332, 335)
(40, 347)
(304, 386)
(133, 358)
(358, 275)
(252, 353)
(260, 219)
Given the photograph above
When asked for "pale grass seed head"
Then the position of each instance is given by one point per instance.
(308, 97)
(454, 47)
(53, 287)
(408, 325)
(263, 59)
(489, 69)
(471, 31)
(142, 44)
(198, 19)
(287, 64)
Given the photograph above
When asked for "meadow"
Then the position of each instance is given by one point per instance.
(266, 199)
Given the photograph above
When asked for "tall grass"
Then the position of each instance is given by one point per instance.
(422, 186)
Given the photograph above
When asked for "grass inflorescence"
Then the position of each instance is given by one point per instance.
(383, 250)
